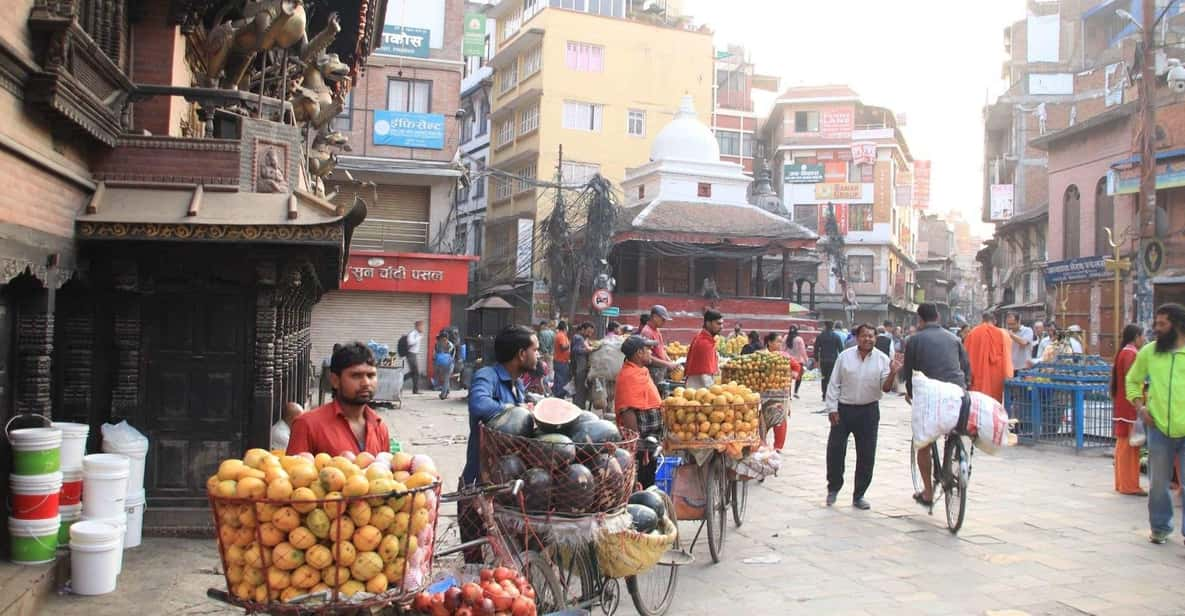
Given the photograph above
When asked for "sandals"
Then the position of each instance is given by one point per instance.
(919, 499)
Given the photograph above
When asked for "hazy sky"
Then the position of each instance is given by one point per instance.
(936, 61)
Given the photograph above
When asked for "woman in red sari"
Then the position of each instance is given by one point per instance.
(1127, 458)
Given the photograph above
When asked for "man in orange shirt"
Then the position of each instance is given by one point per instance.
(562, 360)
(636, 402)
(701, 365)
(346, 423)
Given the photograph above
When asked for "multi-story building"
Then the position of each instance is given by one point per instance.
(830, 152)
(1059, 141)
(404, 120)
(937, 273)
(594, 79)
(734, 119)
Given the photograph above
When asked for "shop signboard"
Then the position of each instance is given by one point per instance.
(921, 184)
(841, 217)
(845, 191)
(1001, 202)
(405, 41)
(407, 273)
(863, 153)
(473, 42)
(1075, 270)
(837, 123)
(802, 174)
(525, 248)
(409, 130)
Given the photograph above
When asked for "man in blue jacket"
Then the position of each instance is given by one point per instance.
(516, 349)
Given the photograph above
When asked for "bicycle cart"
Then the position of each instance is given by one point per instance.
(586, 537)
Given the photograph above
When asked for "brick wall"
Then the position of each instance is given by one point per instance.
(36, 199)
(153, 62)
(370, 93)
(170, 159)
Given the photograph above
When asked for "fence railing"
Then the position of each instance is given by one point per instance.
(1067, 402)
(389, 235)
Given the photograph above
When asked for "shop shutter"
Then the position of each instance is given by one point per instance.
(345, 316)
(394, 202)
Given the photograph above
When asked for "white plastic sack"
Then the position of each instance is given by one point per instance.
(605, 362)
(988, 423)
(123, 436)
(936, 408)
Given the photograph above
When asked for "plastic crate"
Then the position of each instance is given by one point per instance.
(664, 477)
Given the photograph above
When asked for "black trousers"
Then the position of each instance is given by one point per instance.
(413, 372)
(825, 369)
(861, 422)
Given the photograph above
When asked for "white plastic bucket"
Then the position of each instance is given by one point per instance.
(73, 442)
(135, 509)
(36, 451)
(104, 485)
(35, 497)
(135, 453)
(95, 557)
(120, 523)
(33, 541)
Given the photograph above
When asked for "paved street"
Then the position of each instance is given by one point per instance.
(1044, 535)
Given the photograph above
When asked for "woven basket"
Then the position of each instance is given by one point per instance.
(629, 552)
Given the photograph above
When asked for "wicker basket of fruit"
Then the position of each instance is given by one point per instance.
(712, 416)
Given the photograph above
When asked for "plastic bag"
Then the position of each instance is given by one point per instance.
(123, 436)
(936, 408)
(988, 423)
(379, 349)
(1138, 436)
(605, 362)
(599, 397)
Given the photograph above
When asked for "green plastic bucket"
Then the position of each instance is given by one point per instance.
(36, 451)
(34, 541)
(69, 514)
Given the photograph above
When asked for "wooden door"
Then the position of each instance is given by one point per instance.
(196, 401)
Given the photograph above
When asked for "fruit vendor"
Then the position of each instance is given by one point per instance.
(637, 403)
(701, 365)
(347, 423)
(660, 363)
(516, 349)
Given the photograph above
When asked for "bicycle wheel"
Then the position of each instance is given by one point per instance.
(715, 506)
(739, 500)
(653, 591)
(955, 484)
(578, 575)
(541, 574)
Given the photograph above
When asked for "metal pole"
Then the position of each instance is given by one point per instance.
(1147, 205)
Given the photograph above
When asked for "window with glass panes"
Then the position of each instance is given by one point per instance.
(479, 180)
(806, 121)
(531, 62)
(860, 217)
(584, 57)
(608, 8)
(582, 116)
(807, 215)
(636, 123)
(506, 131)
(528, 119)
(729, 141)
(478, 237)
(409, 95)
(344, 121)
(747, 144)
(860, 268)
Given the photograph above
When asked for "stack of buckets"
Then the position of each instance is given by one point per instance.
(35, 485)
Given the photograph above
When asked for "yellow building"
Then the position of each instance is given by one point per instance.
(597, 78)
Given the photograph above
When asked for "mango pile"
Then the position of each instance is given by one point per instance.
(718, 413)
(760, 371)
(731, 346)
(295, 525)
(676, 349)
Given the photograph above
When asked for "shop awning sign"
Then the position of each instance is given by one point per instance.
(1075, 270)
(404, 41)
(409, 130)
(802, 174)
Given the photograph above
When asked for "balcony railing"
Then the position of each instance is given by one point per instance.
(388, 235)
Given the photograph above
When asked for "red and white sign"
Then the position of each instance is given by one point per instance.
(408, 273)
(602, 299)
(863, 153)
(921, 184)
(835, 171)
(836, 123)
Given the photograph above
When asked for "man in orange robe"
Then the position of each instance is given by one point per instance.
(990, 352)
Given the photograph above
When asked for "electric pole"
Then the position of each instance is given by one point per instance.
(1147, 204)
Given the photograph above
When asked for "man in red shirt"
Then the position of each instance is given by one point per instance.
(659, 362)
(346, 423)
(701, 356)
(562, 361)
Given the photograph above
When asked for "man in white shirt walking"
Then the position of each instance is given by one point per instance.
(1022, 342)
(413, 356)
(862, 375)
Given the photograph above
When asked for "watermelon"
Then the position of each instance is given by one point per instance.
(645, 519)
(513, 420)
(558, 448)
(592, 435)
(555, 414)
(508, 468)
(625, 459)
(537, 489)
(650, 499)
(578, 488)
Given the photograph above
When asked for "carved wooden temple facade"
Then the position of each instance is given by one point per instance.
(164, 229)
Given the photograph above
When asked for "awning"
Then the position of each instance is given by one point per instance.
(493, 302)
(195, 214)
(1135, 160)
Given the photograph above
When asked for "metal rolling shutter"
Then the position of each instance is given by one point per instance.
(394, 202)
(345, 316)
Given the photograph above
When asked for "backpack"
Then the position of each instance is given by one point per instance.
(401, 347)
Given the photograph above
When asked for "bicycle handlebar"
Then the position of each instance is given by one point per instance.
(488, 489)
